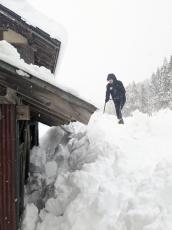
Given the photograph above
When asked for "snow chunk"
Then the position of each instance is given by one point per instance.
(22, 73)
(30, 217)
(8, 50)
(50, 171)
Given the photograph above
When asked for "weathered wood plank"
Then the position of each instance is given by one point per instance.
(23, 112)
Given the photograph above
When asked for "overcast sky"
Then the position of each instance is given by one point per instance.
(127, 37)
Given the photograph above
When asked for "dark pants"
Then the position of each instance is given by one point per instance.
(119, 104)
(123, 100)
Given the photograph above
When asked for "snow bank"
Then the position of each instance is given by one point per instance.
(104, 176)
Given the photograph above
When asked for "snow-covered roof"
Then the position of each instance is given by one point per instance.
(42, 23)
(36, 85)
(9, 54)
(35, 18)
(35, 45)
(48, 103)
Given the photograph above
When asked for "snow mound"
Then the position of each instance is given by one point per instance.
(104, 176)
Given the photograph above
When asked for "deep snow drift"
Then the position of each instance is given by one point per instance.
(104, 176)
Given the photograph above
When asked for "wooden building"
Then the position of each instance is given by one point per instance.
(25, 101)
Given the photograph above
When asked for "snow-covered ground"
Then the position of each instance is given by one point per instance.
(103, 176)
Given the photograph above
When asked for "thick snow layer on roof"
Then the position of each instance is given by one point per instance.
(9, 54)
(107, 176)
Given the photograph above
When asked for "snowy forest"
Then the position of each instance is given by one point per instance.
(152, 94)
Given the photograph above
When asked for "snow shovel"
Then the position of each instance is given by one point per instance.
(104, 107)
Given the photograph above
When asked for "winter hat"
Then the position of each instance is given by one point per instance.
(111, 76)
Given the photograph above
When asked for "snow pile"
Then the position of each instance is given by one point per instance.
(104, 176)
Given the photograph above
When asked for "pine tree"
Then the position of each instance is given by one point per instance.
(151, 95)
(144, 90)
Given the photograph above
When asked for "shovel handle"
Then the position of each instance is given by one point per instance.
(104, 107)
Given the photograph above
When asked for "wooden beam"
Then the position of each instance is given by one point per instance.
(1, 35)
(3, 90)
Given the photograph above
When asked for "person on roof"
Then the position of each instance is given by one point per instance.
(117, 91)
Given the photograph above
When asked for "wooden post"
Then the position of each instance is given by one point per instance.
(14, 155)
(8, 168)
